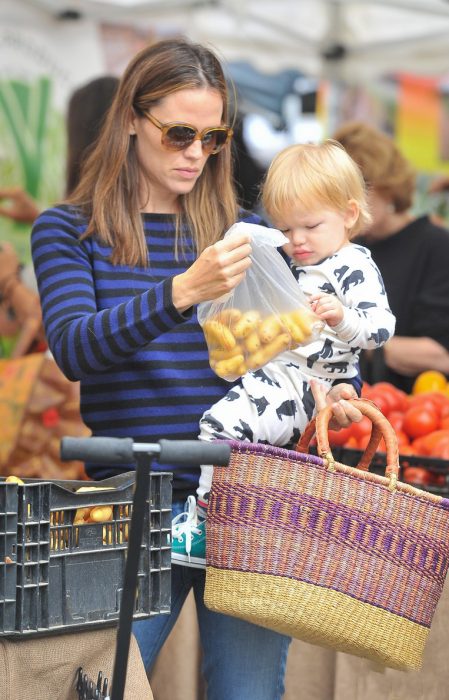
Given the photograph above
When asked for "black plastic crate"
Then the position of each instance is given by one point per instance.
(70, 573)
(8, 550)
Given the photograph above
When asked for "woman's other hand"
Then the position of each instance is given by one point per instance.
(218, 269)
(344, 413)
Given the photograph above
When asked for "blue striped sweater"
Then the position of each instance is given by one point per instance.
(142, 365)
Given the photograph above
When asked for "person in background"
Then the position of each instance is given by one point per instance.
(86, 111)
(412, 254)
(248, 174)
(121, 267)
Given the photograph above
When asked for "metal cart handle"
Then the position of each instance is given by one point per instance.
(124, 450)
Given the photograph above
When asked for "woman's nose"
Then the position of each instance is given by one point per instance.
(195, 150)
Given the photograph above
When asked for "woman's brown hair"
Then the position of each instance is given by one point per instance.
(108, 190)
(383, 166)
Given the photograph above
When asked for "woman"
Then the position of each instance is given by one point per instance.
(120, 268)
(412, 254)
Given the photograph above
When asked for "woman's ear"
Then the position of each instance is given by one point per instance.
(352, 214)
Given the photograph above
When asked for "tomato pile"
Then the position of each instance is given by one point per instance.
(420, 421)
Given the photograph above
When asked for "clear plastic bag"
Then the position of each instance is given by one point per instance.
(265, 315)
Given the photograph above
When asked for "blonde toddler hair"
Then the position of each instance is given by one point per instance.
(312, 176)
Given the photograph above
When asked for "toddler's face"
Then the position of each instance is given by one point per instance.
(314, 235)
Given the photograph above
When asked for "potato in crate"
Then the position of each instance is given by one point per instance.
(71, 550)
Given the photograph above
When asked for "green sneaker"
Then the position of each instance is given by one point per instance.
(189, 537)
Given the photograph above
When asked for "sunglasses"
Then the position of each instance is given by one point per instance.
(176, 136)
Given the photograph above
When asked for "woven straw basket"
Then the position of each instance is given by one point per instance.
(324, 552)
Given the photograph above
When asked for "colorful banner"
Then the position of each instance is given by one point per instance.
(422, 126)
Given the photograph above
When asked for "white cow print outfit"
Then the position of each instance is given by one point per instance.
(274, 404)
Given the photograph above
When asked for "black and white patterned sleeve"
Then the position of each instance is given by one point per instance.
(368, 321)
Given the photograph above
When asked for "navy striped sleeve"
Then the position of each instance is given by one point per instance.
(84, 338)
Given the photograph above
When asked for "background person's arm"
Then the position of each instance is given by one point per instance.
(410, 356)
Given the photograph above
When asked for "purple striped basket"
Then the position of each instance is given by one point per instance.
(326, 553)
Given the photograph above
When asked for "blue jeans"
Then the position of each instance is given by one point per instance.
(240, 660)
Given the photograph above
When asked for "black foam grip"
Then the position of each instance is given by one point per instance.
(193, 452)
(98, 449)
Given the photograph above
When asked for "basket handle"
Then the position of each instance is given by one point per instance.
(381, 428)
(367, 456)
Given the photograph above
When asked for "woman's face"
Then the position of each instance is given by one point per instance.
(166, 174)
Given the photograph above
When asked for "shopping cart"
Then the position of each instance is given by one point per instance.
(116, 451)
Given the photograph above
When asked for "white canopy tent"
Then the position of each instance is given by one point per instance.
(346, 41)
(350, 40)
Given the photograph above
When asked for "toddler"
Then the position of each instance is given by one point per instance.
(315, 194)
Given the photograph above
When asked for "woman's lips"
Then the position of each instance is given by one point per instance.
(187, 173)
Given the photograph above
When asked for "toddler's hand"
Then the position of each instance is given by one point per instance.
(327, 307)
(344, 413)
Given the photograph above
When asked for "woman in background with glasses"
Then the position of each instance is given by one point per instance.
(121, 266)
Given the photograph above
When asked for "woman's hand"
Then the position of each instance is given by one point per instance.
(218, 269)
(344, 413)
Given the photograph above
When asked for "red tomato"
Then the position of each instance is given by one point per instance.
(396, 418)
(419, 421)
(416, 475)
(422, 400)
(419, 446)
(440, 447)
(366, 390)
(404, 399)
(364, 440)
(402, 438)
(433, 400)
(393, 395)
(439, 399)
(381, 401)
(426, 443)
(339, 437)
(361, 428)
